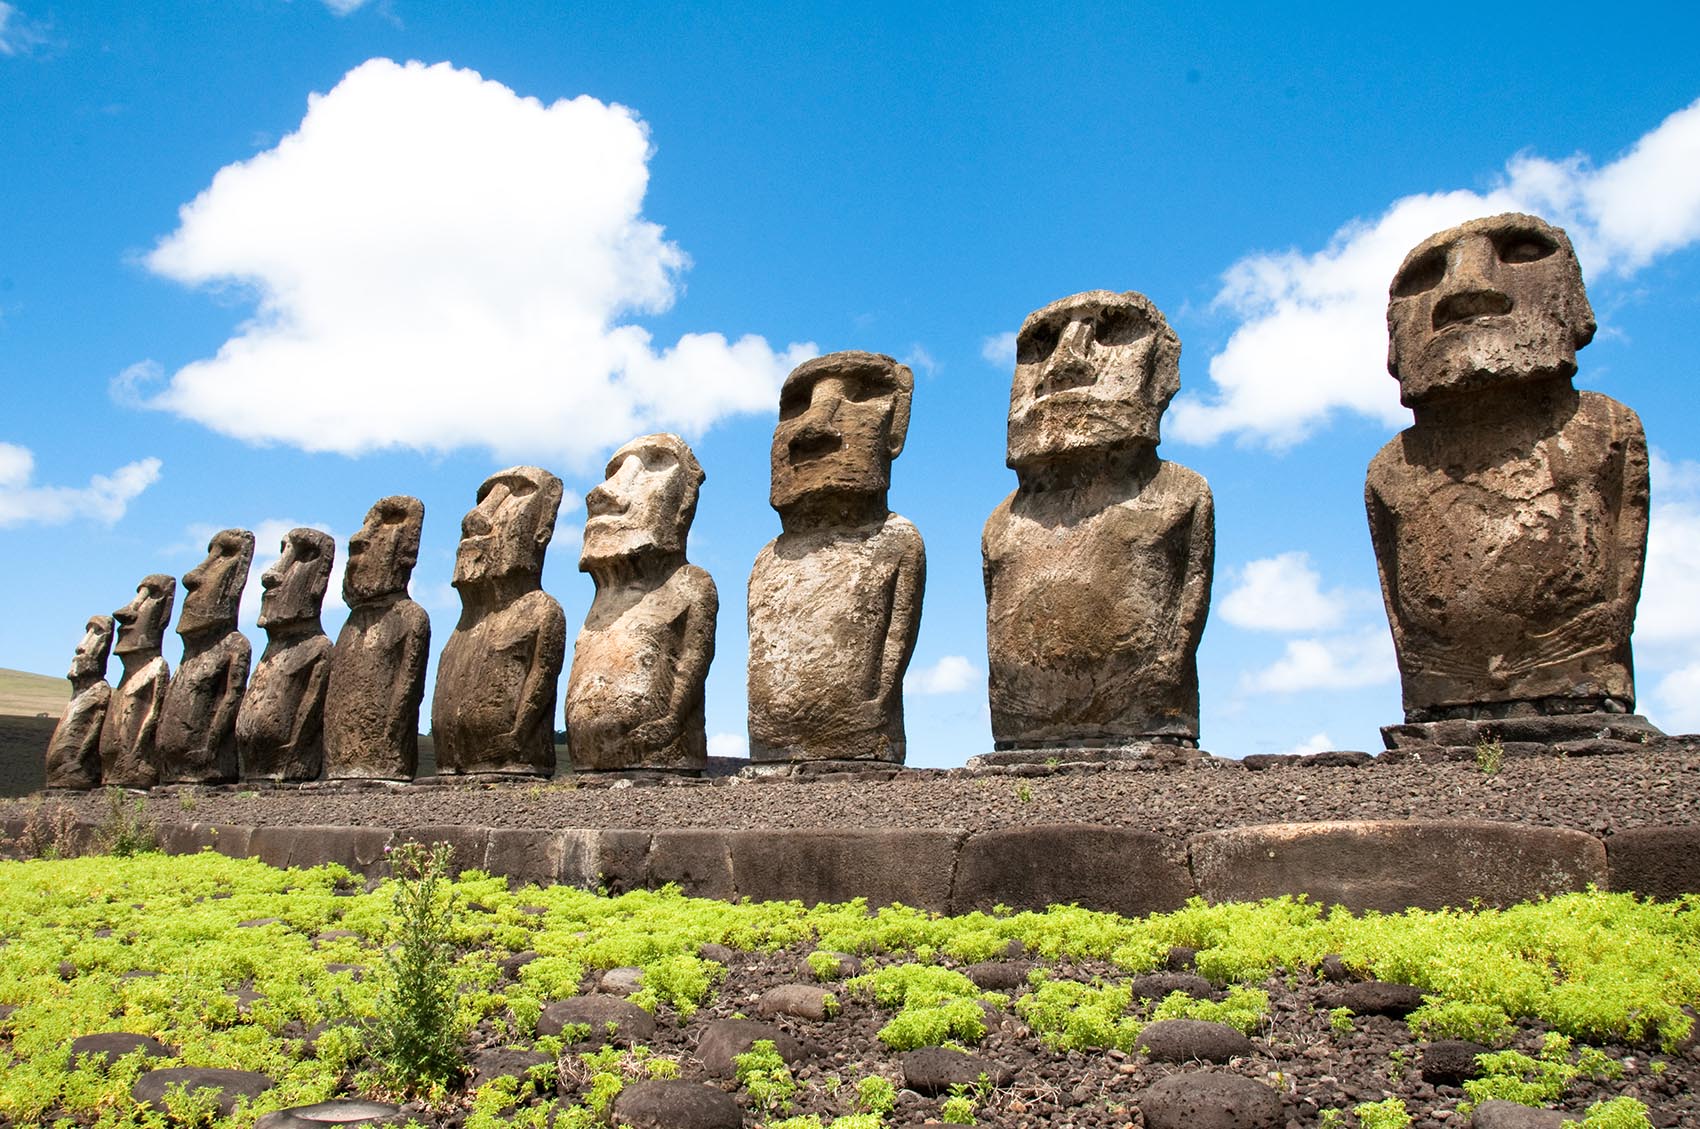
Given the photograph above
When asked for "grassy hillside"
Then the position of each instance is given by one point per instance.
(26, 695)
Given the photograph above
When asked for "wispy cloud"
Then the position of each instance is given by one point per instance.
(999, 349)
(104, 499)
(440, 263)
(19, 35)
(1312, 339)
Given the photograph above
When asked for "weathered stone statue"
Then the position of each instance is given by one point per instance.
(128, 740)
(635, 694)
(73, 753)
(835, 600)
(1510, 520)
(377, 677)
(280, 727)
(197, 726)
(494, 706)
(1098, 567)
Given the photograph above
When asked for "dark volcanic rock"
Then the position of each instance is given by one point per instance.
(631, 1024)
(114, 1045)
(999, 975)
(805, 1001)
(338, 1111)
(504, 1062)
(933, 1070)
(1156, 985)
(1450, 1062)
(1498, 1114)
(231, 1085)
(1183, 1040)
(1377, 997)
(676, 1105)
(724, 1039)
(1210, 1100)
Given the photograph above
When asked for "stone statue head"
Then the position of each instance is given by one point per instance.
(1093, 372)
(90, 658)
(383, 551)
(842, 419)
(294, 586)
(141, 622)
(1489, 302)
(646, 502)
(507, 532)
(214, 587)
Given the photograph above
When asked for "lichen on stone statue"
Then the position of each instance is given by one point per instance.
(494, 706)
(835, 599)
(73, 752)
(197, 724)
(280, 727)
(377, 674)
(635, 693)
(1098, 567)
(129, 738)
(1510, 520)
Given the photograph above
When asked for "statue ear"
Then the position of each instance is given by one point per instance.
(899, 421)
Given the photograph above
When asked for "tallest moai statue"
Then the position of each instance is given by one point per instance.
(1510, 520)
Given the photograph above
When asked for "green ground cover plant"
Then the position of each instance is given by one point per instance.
(234, 964)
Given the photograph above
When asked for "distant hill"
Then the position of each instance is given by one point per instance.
(26, 695)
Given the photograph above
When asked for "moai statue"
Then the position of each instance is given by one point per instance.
(835, 599)
(197, 726)
(129, 756)
(73, 753)
(280, 728)
(635, 694)
(1098, 566)
(1510, 520)
(377, 677)
(494, 706)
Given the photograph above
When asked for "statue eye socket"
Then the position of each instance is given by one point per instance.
(863, 389)
(1424, 274)
(1034, 345)
(1119, 327)
(1524, 247)
(794, 401)
(307, 553)
(520, 488)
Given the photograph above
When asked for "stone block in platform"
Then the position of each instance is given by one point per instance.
(696, 859)
(1583, 733)
(1103, 868)
(821, 865)
(1657, 862)
(1391, 865)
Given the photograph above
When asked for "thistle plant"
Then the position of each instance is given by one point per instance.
(414, 1035)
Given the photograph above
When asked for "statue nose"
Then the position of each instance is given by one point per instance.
(474, 524)
(1471, 288)
(1069, 365)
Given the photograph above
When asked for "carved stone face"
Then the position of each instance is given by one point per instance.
(1489, 302)
(646, 503)
(141, 622)
(382, 553)
(90, 658)
(215, 585)
(507, 532)
(1094, 371)
(842, 419)
(295, 584)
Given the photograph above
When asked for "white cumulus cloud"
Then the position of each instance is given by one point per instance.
(1331, 662)
(952, 674)
(999, 349)
(1315, 743)
(1312, 334)
(1667, 620)
(104, 499)
(728, 745)
(1282, 593)
(441, 263)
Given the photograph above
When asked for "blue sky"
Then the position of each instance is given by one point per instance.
(263, 262)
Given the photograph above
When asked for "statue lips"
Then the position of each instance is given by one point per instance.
(1470, 308)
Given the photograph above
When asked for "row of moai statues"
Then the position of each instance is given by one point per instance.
(1509, 524)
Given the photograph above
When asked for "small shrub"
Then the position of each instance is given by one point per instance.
(1387, 1114)
(1490, 756)
(1458, 1019)
(49, 832)
(125, 829)
(876, 1095)
(414, 1037)
(762, 1072)
(1340, 1020)
(958, 1109)
(1619, 1113)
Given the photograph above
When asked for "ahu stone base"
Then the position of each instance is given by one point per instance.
(1575, 734)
